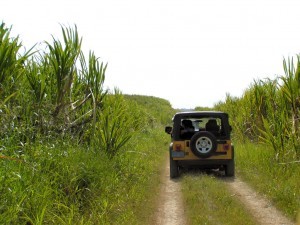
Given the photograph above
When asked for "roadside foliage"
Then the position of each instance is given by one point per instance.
(269, 112)
(266, 131)
(71, 151)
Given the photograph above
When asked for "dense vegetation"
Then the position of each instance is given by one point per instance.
(72, 152)
(269, 111)
(266, 128)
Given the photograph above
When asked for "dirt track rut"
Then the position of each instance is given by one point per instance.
(171, 210)
(261, 209)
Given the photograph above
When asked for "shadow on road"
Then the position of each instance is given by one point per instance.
(219, 174)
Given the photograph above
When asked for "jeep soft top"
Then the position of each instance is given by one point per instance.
(195, 116)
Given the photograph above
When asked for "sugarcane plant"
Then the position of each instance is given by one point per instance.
(12, 67)
(290, 90)
(59, 91)
(269, 111)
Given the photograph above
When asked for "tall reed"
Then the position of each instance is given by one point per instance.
(269, 111)
(62, 58)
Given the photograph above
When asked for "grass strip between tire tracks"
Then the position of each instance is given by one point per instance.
(208, 201)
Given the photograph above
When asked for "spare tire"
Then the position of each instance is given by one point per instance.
(203, 144)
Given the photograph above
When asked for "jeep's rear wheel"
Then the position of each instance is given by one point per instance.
(174, 169)
(230, 169)
(203, 144)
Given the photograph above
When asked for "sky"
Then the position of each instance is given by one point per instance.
(189, 52)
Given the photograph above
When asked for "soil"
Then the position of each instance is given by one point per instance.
(171, 211)
(261, 209)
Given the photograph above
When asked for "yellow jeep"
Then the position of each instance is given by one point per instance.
(201, 139)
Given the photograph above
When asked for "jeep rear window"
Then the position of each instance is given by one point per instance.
(210, 124)
(200, 124)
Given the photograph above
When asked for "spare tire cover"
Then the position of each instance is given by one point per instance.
(203, 144)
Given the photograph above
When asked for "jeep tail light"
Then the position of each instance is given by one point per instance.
(226, 147)
(177, 147)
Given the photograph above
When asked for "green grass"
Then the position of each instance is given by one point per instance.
(62, 183)
(71, 152)
(279, 182)
(208, 201)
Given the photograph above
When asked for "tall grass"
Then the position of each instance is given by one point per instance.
(279, 182)
(11, 62)
(117, 123)
(70, 151)
(52, 95)
(62, 59)
(269, 111)
(65, 183)
(266, 133)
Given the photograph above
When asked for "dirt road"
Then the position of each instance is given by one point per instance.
(261, 209)
(171, 212)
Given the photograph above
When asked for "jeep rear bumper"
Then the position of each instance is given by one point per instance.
(204, 163)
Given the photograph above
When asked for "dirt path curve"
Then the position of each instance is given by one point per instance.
(170, 211)
(260, 208)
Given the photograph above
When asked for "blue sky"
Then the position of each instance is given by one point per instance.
(189, 52)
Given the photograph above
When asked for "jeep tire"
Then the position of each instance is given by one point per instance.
(203, 144)
(174, 169)
(230, 167)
